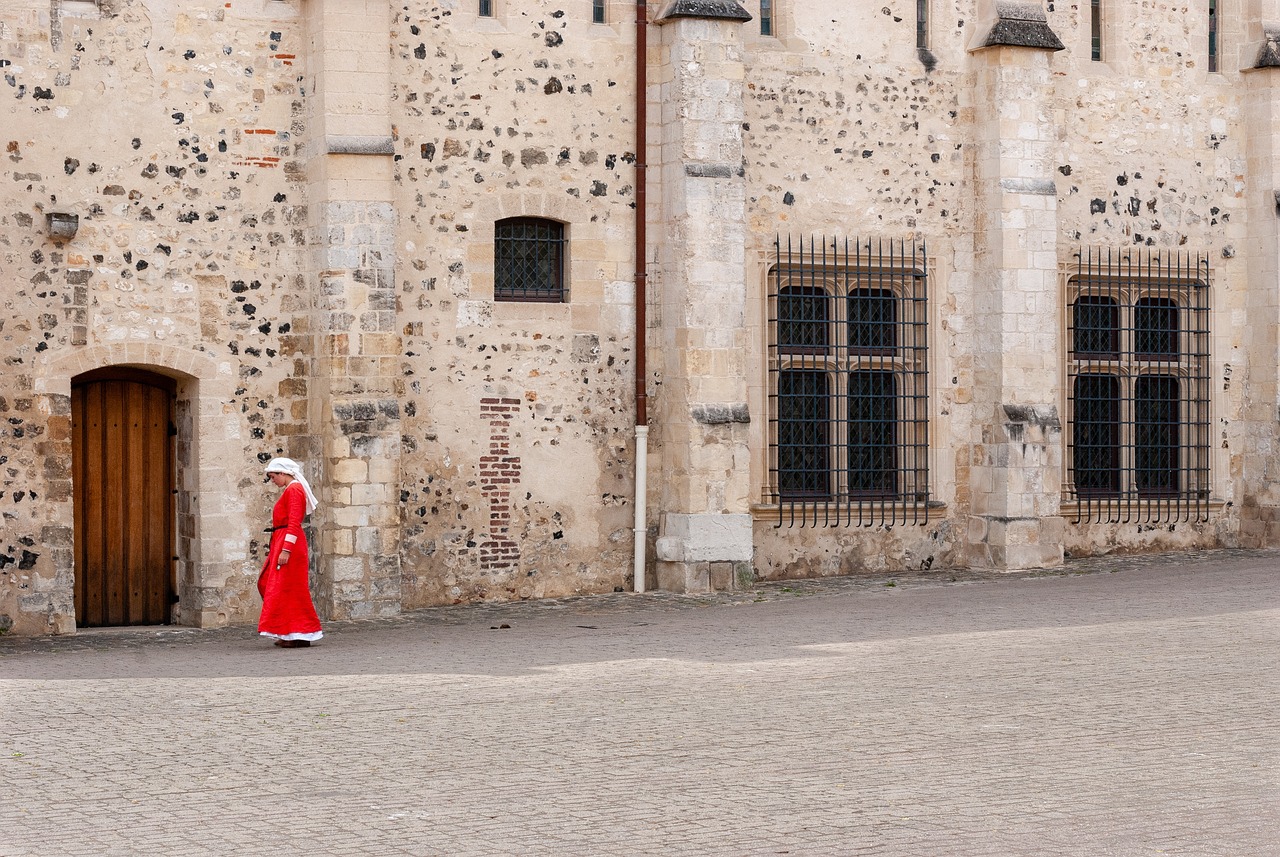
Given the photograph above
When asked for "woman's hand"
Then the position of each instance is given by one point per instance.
(282, 558)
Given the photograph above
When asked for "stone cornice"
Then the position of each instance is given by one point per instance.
(1019, 25)
(1269, 53)
(726, 10)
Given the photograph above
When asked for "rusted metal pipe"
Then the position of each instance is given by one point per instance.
(641, 335)
(642, 144)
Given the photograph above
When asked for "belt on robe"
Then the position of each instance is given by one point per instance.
(273, 529)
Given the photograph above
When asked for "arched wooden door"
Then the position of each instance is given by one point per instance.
(122, 460)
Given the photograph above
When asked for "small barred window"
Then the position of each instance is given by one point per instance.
(528, 263)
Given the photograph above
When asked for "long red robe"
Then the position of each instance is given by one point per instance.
(287, 611)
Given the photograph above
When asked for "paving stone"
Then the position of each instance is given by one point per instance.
(1120, 706)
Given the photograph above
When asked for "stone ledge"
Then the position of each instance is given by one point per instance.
(712, 171)
(355, 144)
(720, 414)
(1039, 187)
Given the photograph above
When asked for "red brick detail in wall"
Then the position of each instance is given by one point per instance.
(257, 162)
(499, 476)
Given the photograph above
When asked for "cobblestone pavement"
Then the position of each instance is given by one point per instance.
(1121, 707)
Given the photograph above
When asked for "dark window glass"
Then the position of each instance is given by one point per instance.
(486, 8)
(873, 317)
(1139, 386)
(803, 423)
(873, 435)
(1096, 326)
(922, 23)
(528, 260)
(766, 17)
(1095, 30)
(802, 319)
(597, 11)
(848, 381)
(1157, 436)
(1213, 35)
(1155, 328)
(1096, 436)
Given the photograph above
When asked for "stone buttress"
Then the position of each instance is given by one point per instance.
(355, 402)
(1016, 463)
(705, 537)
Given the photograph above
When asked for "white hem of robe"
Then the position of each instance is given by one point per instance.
(310, 637)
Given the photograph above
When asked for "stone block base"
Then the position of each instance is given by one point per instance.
(1259, 526)
(705, 553)
(1012, 544)
(722, 576)
(705, 538)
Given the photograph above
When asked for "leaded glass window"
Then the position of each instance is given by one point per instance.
(848, 340)
(529, 260)
(1138, 386)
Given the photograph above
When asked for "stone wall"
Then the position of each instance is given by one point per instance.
(524, 114)
(289, 207)
(851, 131)
(168, 128)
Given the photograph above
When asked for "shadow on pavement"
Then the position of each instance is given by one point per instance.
(792, 619)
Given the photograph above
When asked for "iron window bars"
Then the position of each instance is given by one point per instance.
(848, 415)
(1138, 386)
(528, 260)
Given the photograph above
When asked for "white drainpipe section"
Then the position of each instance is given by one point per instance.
(642, 502)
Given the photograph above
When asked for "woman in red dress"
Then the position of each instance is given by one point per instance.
(287, 612)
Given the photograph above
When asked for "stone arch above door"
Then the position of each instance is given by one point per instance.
(215, 584)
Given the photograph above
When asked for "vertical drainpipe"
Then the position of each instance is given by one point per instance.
(642, 399)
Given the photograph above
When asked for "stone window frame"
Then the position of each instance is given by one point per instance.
(910, 360)
(924, 24)
(468, 14)
(1078, 39)
(83, 9)
(1132, 275)
(215, 572)
(783, 27)
(590, 250)
(1213, 25)
(555, 291)
(1097, 19)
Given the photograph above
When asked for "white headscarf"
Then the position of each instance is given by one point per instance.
(294, 469)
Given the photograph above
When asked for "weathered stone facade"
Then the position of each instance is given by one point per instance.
(289, 207)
